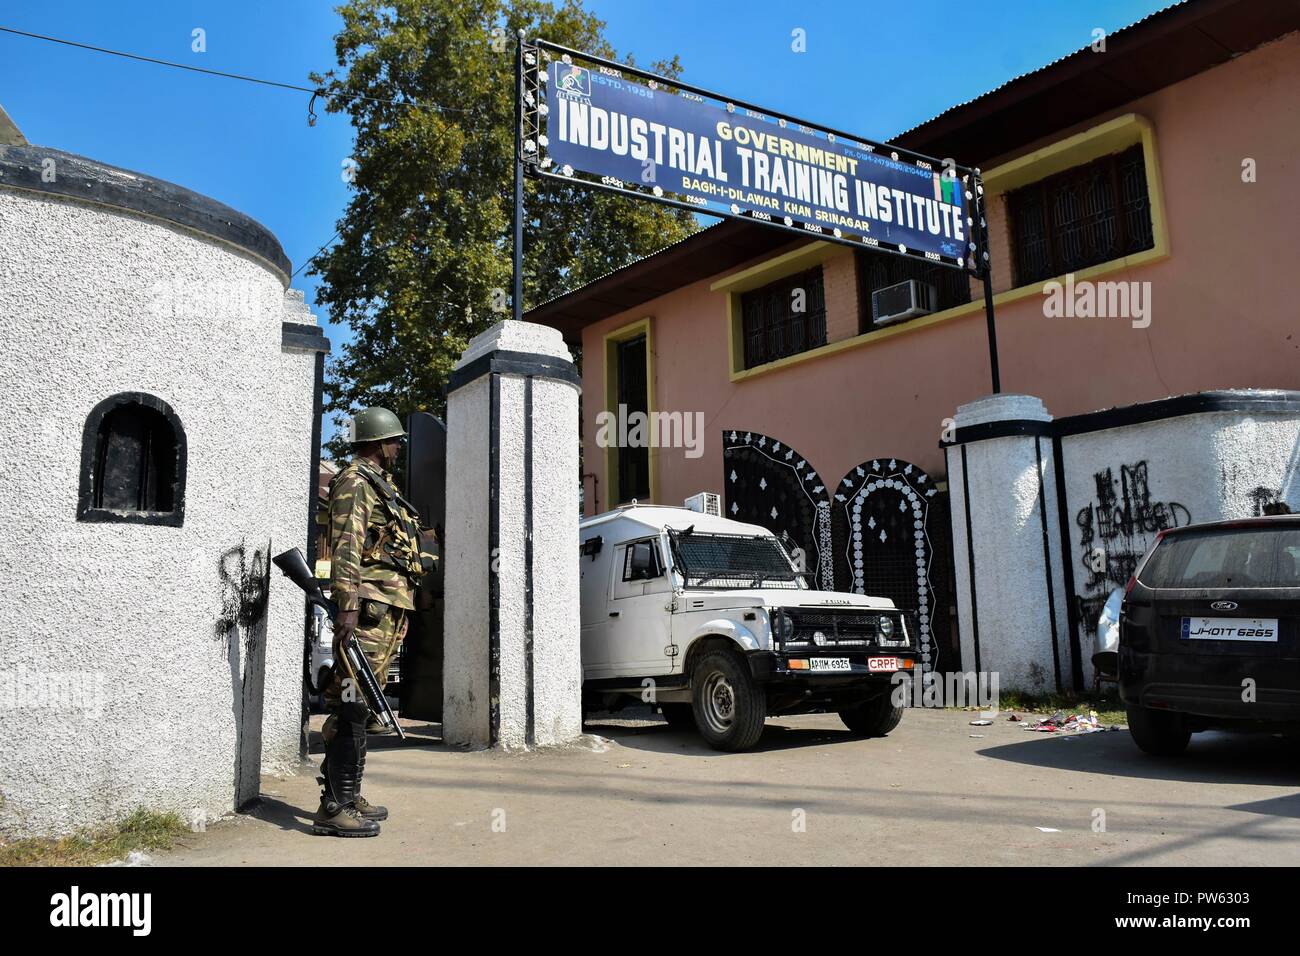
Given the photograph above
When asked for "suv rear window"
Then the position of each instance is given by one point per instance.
(1259, 557)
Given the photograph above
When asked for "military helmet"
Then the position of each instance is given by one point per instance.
(375, 424)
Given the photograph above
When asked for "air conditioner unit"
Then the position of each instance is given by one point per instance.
(706, 503)
(907, 299)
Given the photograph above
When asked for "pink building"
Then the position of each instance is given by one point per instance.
(1166, 164)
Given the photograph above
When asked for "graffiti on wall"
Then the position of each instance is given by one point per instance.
(1267, 501)
(245, 586)
(241, 626)
(870, 532)
(1115, 530)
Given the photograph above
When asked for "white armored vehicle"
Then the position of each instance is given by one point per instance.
(709, 619)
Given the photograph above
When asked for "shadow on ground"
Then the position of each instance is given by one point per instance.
(658, 737)
(1211, 757)
(288, 818)
(421, 735)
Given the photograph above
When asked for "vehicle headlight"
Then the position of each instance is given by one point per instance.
(893, 631)
(782, 625)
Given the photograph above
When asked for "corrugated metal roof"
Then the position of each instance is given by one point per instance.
(649, 255)
(1046, 66)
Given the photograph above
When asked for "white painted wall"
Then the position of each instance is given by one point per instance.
(1201, 467)
(557, 654)
(557, 669)
(1005, 475)
(1186, 469)
(94, 302)
(465, 569)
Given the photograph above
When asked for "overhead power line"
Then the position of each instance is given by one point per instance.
(314, 257)
(230, 76)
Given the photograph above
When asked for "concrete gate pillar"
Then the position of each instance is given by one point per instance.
(1006, 534)
(512, 672)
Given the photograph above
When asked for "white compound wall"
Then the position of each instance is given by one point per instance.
(1028, 606)
(1124, 485)
(178, 711)
(537, 701)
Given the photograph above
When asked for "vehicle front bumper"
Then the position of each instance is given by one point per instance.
(770, 667)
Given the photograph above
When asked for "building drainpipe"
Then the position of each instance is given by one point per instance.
(595, 490)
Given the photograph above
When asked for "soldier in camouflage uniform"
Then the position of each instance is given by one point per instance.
(376, 564)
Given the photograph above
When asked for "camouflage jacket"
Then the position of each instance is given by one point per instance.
(373, 556)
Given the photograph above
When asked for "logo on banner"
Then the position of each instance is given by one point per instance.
(571, 78)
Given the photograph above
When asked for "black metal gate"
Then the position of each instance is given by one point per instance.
(420, 691)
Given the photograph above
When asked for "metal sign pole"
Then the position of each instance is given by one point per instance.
(986, 276)
(517, 293)
(993, 332)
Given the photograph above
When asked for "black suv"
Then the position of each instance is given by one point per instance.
(1209, 632)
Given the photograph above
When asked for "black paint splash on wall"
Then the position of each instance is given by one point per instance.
(1115, 531)
(241, 626)
(245, 587)
(1267, 501)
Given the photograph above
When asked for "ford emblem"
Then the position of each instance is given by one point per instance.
(1224, 606)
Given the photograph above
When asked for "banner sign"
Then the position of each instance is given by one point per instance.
(599, 125)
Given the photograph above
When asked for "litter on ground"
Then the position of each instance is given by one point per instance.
(1061, 722)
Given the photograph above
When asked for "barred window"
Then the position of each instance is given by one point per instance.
(784, 318)
(132, 462)
(879, 270)
(1080, 217)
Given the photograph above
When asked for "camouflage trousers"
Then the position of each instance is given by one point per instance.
(380, 629)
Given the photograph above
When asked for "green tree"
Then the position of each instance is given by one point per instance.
(424, 254)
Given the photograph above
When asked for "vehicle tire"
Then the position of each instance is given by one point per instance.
(1158, 732)
(679, 716)
(872, 718)
(729, 708)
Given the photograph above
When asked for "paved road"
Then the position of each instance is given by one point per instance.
(929, 793)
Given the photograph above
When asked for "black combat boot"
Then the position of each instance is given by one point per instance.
(338, 814)
(367, 809)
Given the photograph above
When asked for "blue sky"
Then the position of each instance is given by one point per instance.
(870, 68)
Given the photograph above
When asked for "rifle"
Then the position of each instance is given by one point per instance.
(294, 567)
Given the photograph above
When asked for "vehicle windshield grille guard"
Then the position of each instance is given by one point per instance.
(731, 560)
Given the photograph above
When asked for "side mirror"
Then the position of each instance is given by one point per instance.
(592, 547)
(644, 563)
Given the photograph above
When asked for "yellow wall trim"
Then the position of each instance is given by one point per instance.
(968, 308)
(755, 277)
(609, 356)
(1101, 140)
(786, 264)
